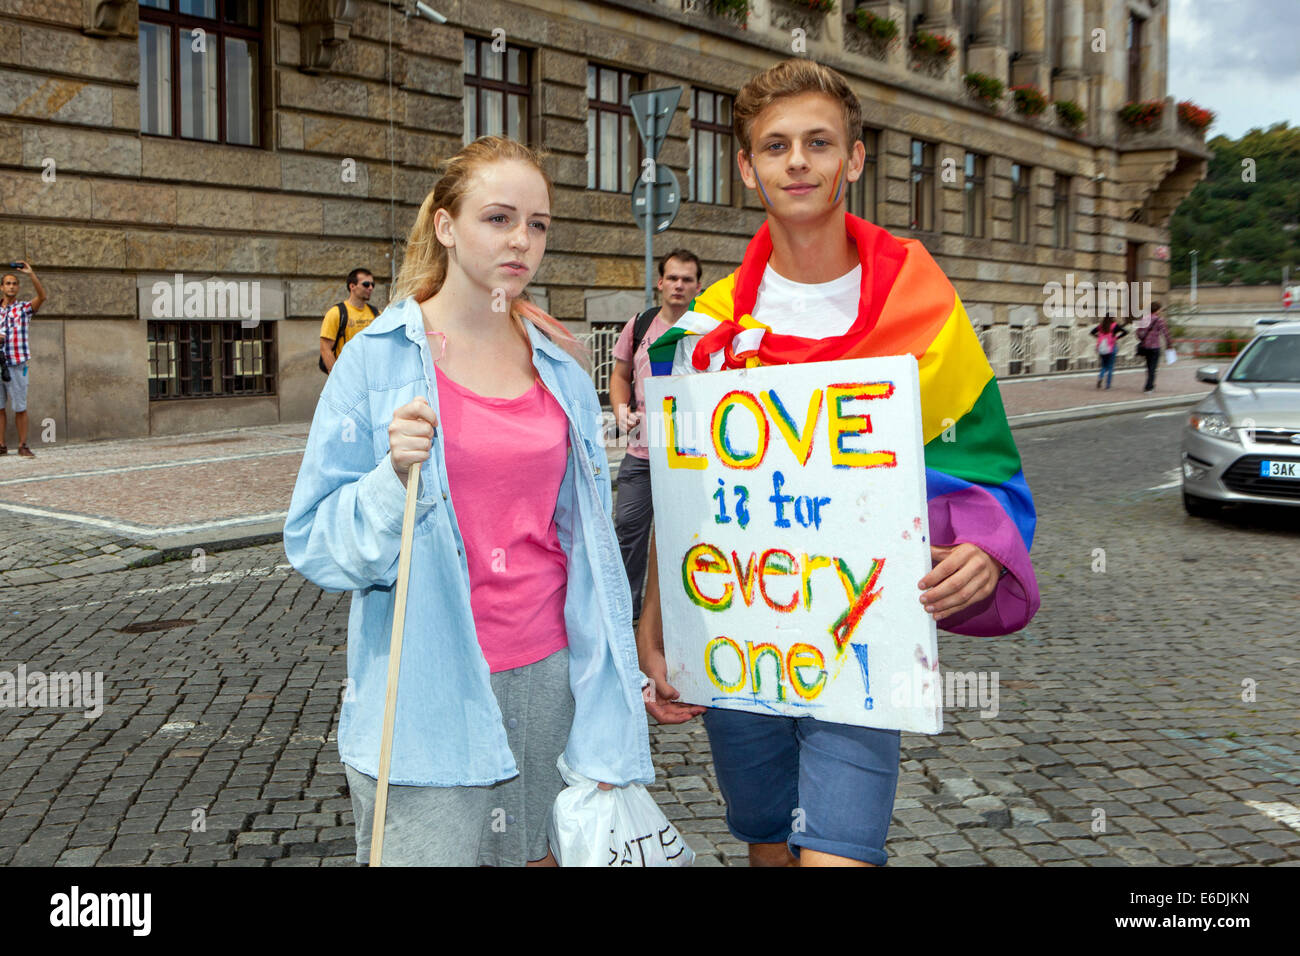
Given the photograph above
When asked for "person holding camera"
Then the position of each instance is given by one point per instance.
(15, 317)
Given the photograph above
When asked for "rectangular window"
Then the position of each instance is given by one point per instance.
(200, 63)
(862, 194)
(922, 196)
(1132, 257)
(1134, 41)
(497, 93)
(613, 146)
(210, 359)
(711, 160)
(1061, 212)
(1020, 203)
(973, 186)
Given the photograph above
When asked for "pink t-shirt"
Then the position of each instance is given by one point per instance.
(636, 440)
(505, 461)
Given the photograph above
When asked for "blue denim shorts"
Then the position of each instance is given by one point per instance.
(827, 787)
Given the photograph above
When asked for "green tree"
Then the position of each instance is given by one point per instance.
(1253, 225)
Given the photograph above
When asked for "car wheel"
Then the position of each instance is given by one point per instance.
(1200, 507)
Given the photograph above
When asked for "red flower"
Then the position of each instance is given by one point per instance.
(1194, 116)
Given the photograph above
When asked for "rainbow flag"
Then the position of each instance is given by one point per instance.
(974, 482)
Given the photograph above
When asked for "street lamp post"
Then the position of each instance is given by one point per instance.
(1195, 252)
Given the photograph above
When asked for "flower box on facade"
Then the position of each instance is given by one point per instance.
(806, 15)
(931, 52)
(1142, 116)
(1028, 100)
(984, 89)
(1070, 115)
(733, 12)
(871, 34)
(1193, 117)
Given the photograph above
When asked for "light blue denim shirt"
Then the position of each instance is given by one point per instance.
(344, 531)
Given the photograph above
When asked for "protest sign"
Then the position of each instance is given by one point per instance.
(791, 530)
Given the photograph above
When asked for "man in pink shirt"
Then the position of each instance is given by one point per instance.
(678, 285)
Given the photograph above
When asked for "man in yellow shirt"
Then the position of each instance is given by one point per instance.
(360, 313)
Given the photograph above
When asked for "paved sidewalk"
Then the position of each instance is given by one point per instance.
(78, 509)
(1121, 732)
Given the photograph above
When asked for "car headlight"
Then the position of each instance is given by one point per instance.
(1213, 424)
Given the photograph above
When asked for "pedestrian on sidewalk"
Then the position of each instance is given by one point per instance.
(15, 353)
(1108, 333)
(519, 643)
(344, 321)
(1151, 333)
(820, 284)
(679, 283)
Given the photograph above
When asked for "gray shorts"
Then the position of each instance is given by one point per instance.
(500, 825)
(13, 393)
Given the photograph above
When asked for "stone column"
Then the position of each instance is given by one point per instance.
(988, 28)
(1031, 66)
(1157, 53)
(1069, 84)
(1072, 37)
(988, 54)
(938, 14)
(939, 19)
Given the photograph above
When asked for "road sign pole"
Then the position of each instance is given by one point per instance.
(649, 217)
(647, 108)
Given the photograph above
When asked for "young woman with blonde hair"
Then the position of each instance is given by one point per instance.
(519, 642)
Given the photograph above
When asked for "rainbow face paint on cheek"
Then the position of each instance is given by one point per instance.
(839, 184)
(766, 199)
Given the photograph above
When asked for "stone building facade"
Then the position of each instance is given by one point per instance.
(166, 164)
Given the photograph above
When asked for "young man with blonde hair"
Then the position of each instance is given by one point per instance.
(822, 285)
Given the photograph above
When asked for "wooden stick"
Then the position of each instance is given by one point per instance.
(394, 666)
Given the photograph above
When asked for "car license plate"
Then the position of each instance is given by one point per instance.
(1279, 469)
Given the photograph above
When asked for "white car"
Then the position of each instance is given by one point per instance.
(1242, 441)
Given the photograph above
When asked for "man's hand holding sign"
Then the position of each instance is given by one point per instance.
(792, 525)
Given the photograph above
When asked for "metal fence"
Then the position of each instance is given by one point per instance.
(1224, 350)
(1019, 357)
(1061, 356)
(1069, 352)
(600, 343)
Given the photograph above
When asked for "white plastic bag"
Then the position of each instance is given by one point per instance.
(1171, 356)
(619, 827)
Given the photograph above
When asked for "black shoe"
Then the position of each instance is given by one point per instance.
(1099, 383)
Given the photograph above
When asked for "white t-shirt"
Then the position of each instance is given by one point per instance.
(814, 310)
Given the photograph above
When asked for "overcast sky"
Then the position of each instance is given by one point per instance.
(1239, 58)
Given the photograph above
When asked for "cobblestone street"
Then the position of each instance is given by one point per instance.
(1124, 733)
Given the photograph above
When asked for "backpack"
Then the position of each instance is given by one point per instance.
(344, 320)
(639, 329)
